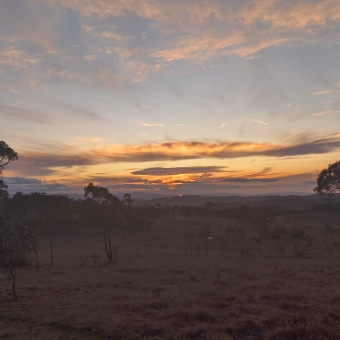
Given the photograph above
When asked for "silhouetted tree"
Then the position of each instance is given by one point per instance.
(16, 237)
(301, 241)
(106, 217)
(18, 240)
(189, 238)
(7, 155)
(281, 236)
(100, 195)
(328, 182)
(127, 205)
(205, 238)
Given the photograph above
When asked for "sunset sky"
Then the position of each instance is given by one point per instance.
(170, 96)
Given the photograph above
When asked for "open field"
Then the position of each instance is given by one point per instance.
(157, 290)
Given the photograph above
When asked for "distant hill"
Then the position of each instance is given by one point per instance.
(293, 202)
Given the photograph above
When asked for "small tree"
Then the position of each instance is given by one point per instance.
(127, 205)
(206, 239)
(330, 244)
(222, 243)
(328, 182)
(17, 242)
(281, 235)
(262, 240)
(188, 239)
(301, 241)
(230, 240)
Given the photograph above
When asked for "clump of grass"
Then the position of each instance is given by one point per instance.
(193, 278)
(290, 306)
(304, 333)
(130, 270)
(196, 333)
(221, 305)
(159, 305)
(246, 330)
(331, 319)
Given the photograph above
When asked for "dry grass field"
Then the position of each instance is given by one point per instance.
(157, 290)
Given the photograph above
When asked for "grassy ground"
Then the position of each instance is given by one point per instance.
(156, 290)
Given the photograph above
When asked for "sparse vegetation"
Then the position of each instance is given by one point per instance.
(161, 293)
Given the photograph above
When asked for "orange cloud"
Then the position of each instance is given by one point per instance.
(297, 14)
(196, 31)
(159, 171)
(72, 156)
(227, 29)
(16, 58)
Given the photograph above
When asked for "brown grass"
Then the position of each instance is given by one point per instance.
(157, 291)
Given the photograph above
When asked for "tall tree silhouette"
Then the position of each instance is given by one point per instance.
(16, 237)
(109, 210)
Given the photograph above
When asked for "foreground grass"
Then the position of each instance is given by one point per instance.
(156, 291)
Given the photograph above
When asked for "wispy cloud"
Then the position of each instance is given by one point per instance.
(15, 58)
(143, 181)
(112, 35)
(224, 29)
(258, 121)
(14, 112)
(290, 23)
(323, 92)
(249, 180)
(323, 113)
(73, 109)
(151, 124)
(101, 77)
(159, 171)
(90, 57)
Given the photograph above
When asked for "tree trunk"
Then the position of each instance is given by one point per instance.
(108, 248)
(36, 258)
(14, 291)
(51, 246)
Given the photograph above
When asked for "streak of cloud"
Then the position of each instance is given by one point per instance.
(249, 180)
(70, 108)
(90, 57)
(143, 181)
(259, 122)
(13, 112)
(323, 113)
(323, 92)
(151, 124)
(159, 171)
(28, 185)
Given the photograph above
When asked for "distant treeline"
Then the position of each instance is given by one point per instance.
(59, 212)
(327, 207)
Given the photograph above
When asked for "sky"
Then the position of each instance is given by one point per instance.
(213, 97)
